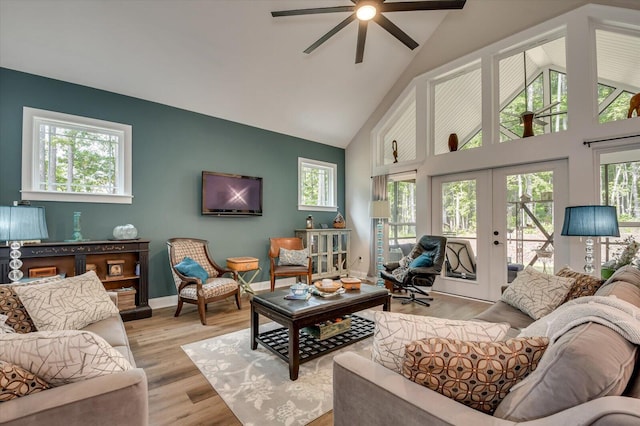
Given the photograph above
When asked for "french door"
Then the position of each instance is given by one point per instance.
(496, 220)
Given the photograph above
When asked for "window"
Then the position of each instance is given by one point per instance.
(395, 135)
(401, 193)
(533, 91)
(458, 109)
(618, 62)
(72, 158)
(620, 187)
(317, 185)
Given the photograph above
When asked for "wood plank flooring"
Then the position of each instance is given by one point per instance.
(180, 395)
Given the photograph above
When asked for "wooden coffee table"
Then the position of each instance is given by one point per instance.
(295, 347)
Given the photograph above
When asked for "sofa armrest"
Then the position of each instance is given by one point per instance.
(113, 399)
(365, 392)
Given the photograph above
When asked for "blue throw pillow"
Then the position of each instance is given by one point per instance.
(422, 261)
(191, 268)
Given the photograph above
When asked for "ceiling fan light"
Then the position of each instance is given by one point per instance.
(366, 11)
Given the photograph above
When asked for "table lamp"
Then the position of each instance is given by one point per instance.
(380, 210)
(17, 224)
(590, 221)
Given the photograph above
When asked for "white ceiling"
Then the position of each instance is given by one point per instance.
(223, 58)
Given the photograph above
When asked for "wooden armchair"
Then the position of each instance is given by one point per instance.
(276, 270)
(193, 290)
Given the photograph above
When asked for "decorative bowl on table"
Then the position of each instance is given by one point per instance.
(350, 283)
(328, 286)
(299, 289)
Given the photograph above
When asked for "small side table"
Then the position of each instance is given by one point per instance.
(247, 268)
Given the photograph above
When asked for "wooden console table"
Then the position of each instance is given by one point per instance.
(71, 258)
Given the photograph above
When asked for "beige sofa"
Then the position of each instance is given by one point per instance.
(590, 359)
(114, 399)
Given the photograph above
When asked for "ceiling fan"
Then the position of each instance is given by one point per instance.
(528, 118)
(372, 10)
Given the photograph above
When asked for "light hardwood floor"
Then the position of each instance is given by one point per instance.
(180, 395)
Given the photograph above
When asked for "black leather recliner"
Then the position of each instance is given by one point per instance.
(418, 277)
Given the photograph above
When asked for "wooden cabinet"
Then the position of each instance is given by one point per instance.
(119, 264)
(329, 249)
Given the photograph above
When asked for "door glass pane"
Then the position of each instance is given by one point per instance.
(459, 225)
(530, 220)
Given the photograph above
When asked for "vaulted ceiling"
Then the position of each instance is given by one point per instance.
(225, 58)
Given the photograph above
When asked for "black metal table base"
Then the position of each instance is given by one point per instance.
(277, 341)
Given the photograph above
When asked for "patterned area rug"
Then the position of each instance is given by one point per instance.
(255, 384)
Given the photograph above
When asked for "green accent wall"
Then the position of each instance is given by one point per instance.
(171, 147)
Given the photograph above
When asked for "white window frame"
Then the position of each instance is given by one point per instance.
(330, 204)
(31, 158)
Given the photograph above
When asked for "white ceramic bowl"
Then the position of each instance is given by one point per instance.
(299, 289)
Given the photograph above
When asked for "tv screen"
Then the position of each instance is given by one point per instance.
(231, 195)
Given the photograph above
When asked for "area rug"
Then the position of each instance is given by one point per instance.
(255, 384)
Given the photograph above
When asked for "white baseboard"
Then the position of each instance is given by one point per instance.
(172, 301)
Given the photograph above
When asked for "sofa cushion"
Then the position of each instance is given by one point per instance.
(393, 331)
(503, 312)
(15, 382)
(588, 362)
(68, 304)
(585, 284)
(113, 332)
(535, 293)
(61, 357)
(477, 374)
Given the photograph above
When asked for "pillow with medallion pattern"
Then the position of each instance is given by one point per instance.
(476, 374)
(15, 382)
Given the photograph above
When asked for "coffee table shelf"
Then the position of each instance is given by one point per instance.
(277, 341)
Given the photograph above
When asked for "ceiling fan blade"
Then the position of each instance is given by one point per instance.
(395, 31)
(362, 35)
(550, 114)
(331, 32)
(312, 11)
(540, 122)
(406, 6)
(551, 105)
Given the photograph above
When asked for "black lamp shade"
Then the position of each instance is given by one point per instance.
(590, 221)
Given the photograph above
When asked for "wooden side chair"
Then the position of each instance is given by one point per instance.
(193, 290)
(277, 270)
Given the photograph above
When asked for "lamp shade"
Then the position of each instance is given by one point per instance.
(22, 223)
(590, 221)
(380, 209)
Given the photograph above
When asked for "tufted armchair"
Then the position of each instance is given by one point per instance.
(193, 290)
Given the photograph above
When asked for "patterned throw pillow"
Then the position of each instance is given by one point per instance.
(585, 285)
(477, 374)
(16, 382)
(61, 357)
(293, 257)
(393, 331)
(12, 307)
(4, 328)
(69, 304)
(535, 293)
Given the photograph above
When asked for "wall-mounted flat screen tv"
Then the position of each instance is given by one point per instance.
(231, 195)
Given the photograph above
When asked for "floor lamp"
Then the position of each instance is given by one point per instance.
(380, 210)
(590, 221)
(18, 224)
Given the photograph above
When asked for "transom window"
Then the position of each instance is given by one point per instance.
(72, 158)
(317, 185)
